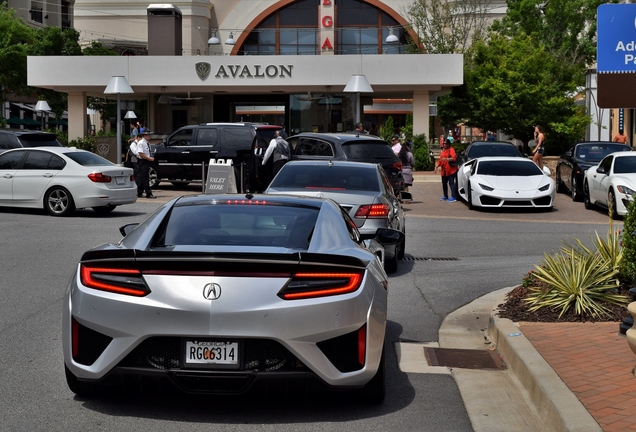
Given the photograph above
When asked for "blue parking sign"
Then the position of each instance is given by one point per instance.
(616, 34)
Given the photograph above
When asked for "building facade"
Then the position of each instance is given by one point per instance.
(286, 62)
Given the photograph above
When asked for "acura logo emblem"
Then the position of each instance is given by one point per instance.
(212, 291)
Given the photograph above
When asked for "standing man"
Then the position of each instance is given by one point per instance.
(395, 144)
(620, 137)
(131, 155)
(280, 148)
(449, 173)
(359, 128)
(143, 178)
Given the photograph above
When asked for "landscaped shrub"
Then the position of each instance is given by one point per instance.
(421, 154)
(578, 280)
(86, 143)
(628, 245)
(387, 130)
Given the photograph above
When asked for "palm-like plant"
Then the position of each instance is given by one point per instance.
(609, 248)
(579, 280)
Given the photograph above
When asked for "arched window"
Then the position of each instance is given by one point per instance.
(294, 30)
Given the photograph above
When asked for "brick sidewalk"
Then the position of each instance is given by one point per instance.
(596, 364)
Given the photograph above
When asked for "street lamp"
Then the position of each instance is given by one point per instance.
(358, 84)
(42, 106)
(118, 85)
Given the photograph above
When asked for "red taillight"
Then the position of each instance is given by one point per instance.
(312, 285)
(132, 178)
(74, 337)
(120, 281)
(397, 165)
(99, 178)
(373, 211)
(362, 344)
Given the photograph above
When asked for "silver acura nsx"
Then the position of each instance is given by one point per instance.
(221, 294)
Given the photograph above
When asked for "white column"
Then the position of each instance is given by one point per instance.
(421, 103)
(77, 124)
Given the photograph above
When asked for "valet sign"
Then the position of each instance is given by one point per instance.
(616, 45)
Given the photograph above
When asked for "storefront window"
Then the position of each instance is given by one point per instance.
(294, 30)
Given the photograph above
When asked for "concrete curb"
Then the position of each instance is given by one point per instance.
(553, 401)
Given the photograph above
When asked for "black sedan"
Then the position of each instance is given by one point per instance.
(479, 149)
(571, 167)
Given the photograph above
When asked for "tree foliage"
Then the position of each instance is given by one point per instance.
(15, 39)
(512, 84)
(446, 27)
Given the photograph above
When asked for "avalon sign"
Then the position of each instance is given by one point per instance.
(244, 71)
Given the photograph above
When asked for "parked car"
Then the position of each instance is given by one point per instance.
(16, 139)
(571, 167)
(348, 146)
(62, 179)
(507, 182)
(181, 158)
(362, 189)
(477, 150)
(611, 184)
(219, 296)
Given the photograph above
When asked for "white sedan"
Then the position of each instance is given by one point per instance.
(506, 182)
(61, 179)
(612, 183)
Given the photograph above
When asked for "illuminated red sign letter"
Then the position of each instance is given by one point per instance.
(326, 2)
(327, 21)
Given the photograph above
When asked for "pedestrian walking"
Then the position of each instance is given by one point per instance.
(539, 149)
(620, 137)
(448, 171)
(408, 162)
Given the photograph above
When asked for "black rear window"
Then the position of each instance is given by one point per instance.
(39, 140)
(241, 225)
(368, 150)
(268, 133)
(477, 151)
(324, 177)
(521, 168)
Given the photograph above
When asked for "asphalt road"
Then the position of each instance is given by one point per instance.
(453, 256)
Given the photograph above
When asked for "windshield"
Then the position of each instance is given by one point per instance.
(325, 177)
(624, 165)
(596, 152)
(39, 140)
(228, 225)
(492, 149)
(508, 168)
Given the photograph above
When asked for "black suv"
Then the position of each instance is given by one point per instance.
(16, 139)
(183, 156)
(349, 146)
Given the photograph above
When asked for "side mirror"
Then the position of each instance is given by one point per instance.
(388, 236)
(127, 229)
(568, 153)
(600, 170)
(547, 171)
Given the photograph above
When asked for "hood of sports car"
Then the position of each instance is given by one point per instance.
(627, 178)
(512, 182)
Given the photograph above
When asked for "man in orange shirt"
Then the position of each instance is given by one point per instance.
(448, 171)
(620, 137)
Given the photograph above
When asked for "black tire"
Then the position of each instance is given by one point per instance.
(105, 209)
(469, 197)
(559, 184)
(391, 266)
(586, 197)
(576, 196)
(374, 391)
(58, 201)
(153, 180)
(81, 388)
(611, 205)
